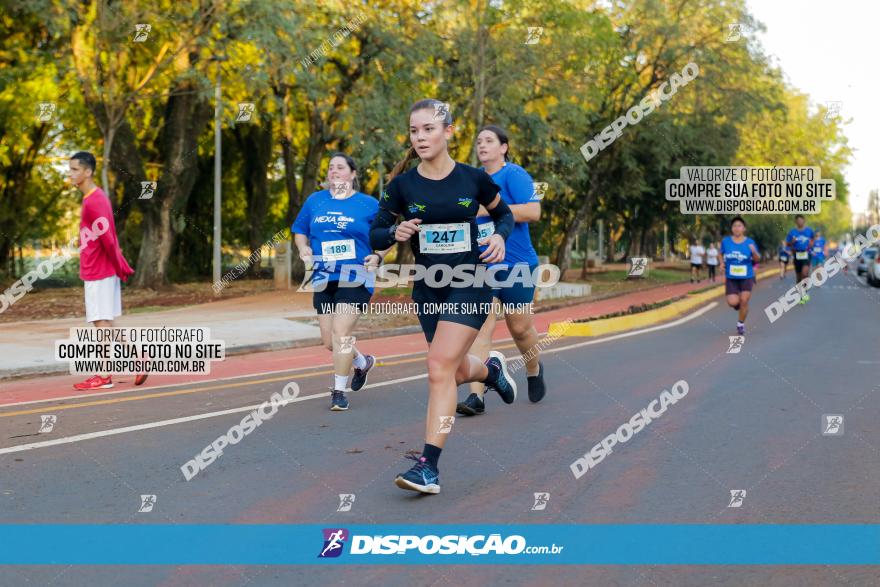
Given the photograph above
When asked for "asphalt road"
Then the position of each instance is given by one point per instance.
(751, 420)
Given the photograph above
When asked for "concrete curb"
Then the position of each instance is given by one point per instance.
(642, 319)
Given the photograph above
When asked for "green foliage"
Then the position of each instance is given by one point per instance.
(328, 75)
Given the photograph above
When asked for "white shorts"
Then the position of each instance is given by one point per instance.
(103, 299)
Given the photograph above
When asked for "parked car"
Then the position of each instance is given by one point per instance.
(873, 270)
(867, 256)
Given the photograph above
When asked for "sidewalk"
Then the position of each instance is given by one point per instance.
(258, 322)
(267, 322)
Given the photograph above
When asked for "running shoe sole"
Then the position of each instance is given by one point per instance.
(338, 408)
(507, 376)
(466, 410)
(433, 488)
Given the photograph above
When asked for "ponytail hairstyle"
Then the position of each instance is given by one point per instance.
(411, 155)
(502, 137)
(355, 183)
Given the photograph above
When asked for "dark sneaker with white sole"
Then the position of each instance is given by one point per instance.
(338, 401)
(422, 477)
(537, 389)
(472, 406)
(359, 379)
(499, 379)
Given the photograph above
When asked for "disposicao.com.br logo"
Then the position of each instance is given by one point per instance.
(402, 544)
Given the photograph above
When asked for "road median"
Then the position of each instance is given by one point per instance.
(667, 312)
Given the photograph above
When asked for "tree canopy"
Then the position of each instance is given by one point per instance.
(134, 83)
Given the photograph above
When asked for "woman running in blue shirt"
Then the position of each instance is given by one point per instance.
(331, 233)
(518, 192)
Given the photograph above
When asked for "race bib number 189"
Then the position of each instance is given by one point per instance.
(338, 250)
(445, 238)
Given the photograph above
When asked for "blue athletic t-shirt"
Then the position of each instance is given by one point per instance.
(784, 253)
(738, 258)
(339, 235)
(801, 238)
(819, 248)
(517, 187)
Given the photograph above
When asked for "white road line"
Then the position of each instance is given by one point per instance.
(199, 382)
(161, 423)
(149, 425)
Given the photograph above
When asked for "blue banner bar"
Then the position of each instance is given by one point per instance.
(270, 544)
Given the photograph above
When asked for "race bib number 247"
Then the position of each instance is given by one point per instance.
(445, 238)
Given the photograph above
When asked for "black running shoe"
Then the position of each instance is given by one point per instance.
(537, 389)
(472, 406)
(421, 477)
(338, 401)
(499, 379)
(359, 379)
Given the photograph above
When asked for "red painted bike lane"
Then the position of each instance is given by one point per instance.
(317, 357)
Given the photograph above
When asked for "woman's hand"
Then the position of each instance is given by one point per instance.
(406, 229)
(494, 253)
(305, 253)
(372, 261)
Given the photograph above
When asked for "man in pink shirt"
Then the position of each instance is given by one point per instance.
(101, 264)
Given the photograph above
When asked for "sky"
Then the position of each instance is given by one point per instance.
(828, 50)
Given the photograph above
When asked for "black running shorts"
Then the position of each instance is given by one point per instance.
(801, 263)
(737, 286)
(462, 305)
(325, 301)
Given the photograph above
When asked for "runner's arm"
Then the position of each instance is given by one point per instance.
(382, 254)
(502, 216)
(382, 230)
(108, 241)
(526, 206)
(530, 212)
(383, 227)
(302, 244)
(300, 228)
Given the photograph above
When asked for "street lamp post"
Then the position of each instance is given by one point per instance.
(218, 109)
